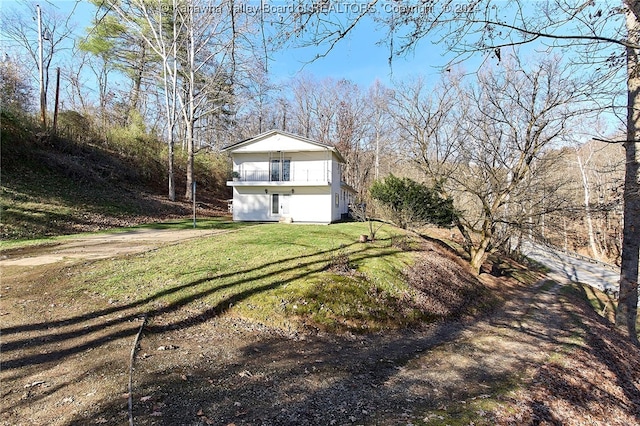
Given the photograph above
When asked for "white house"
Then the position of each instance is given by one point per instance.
(279, 176)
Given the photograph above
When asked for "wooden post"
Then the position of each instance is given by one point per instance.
(194, 203)
(55, 108)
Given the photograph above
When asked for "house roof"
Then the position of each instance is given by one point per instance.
(273, 132)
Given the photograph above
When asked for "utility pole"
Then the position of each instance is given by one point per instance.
(43, 95)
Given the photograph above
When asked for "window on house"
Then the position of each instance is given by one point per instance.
(275, 170)
(286, 170)
(337, 199)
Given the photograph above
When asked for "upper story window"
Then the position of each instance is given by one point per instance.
(280, 169)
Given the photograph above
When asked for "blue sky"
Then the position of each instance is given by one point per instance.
(362, 57)
(358, 57)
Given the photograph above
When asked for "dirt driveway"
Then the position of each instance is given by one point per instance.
(542, 358)
(100, 246)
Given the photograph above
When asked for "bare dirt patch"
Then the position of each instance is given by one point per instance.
(99, 246)
(543, 357)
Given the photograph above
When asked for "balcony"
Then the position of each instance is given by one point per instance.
(281, 178)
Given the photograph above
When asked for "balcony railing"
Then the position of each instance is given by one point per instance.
(254, 176)
(302, 175)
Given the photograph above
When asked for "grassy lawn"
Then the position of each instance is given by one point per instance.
(201, 223)
(312, 277)
(284, 275)
(221, 223)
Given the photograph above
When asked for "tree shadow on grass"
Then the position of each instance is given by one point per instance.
(60, 331)
(386, 378)
(323, 379)
(448, 371)
(53, 342)
(48, 325)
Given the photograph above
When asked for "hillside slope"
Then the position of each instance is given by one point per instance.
(55, 185)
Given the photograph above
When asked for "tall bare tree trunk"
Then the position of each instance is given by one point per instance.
(627, 311)
(587, 206)
(170, 95)
(134, 101)
(190, 121)
(170, 163)
(190, 153)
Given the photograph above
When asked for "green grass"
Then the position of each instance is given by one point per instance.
(547, 285)
(35, 206)
(29, 211)
(276, 274)
(221, 223)
(475, 412)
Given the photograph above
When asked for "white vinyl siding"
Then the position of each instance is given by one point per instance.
(306, 204)
(286, 177)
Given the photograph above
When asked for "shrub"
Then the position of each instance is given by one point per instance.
(77, 127)
(411, 203)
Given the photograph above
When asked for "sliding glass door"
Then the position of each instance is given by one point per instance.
(280, 169)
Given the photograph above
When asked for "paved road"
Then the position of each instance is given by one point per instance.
(566, 267)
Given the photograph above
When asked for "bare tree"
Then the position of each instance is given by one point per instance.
(594, 197)
(23, 33)
(583, 164)
(604, 37)
(15, 92)
(301, 122)
(489, 155)
(351, 134)
(336, 112)
(380, 119)
(199, 49)
(77, 93)
(425, 122)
